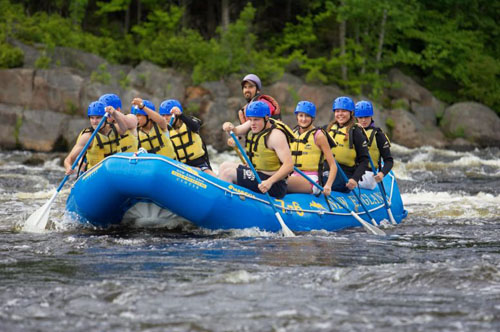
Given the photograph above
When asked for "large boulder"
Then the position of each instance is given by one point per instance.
(16, 86)
(157, 83)
(473, 121)
(407, 130)
(214, 109)
(57, 90)
(41, 129)
(72, 128)
(9, 130)
(418, 99)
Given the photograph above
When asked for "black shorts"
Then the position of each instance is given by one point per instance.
(246, 178)
(338, 183)
(202, 163)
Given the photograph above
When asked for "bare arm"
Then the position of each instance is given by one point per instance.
(119, 118)
(242, 129)
(70, 159)
(322, 143)
(277, 141)
(151, 114)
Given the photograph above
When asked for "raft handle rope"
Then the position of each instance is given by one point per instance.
(286, 209)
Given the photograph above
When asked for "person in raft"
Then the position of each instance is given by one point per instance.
(268, 151)
(185, 136)
(351, 150)
(105, 143)
(379, 145)
(128, 141)
(310, 148)
(151, 129)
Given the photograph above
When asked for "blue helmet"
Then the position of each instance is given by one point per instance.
(343, 103)
(306, 107)
(136, 110)
(252, 78)
(167, 105)
(363, 108)
(257, 109)
(96, 108)
(110, 99)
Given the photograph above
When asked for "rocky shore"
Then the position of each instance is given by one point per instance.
(44, 109)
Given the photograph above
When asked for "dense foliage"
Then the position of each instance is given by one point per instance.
(451, 46)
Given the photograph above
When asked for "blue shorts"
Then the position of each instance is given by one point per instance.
(246, 178)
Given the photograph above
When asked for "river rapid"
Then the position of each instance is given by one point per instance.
(437, 271)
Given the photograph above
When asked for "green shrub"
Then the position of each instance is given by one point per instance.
(10, 57)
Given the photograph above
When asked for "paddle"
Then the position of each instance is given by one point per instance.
(341, 171)
(286, 231)
(382, 191)
(38, 220)
(366, 226)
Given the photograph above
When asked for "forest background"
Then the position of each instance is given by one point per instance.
(450, 46)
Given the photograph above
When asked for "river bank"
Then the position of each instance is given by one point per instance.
(45, 109)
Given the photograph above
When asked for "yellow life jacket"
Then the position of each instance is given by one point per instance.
(102, 146)
(155, 141)
(371, 133)
(128, 142)
(188, 145)
(306, 154)
(261, 157)
(344, 151)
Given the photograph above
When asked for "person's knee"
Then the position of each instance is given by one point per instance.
(225, 173)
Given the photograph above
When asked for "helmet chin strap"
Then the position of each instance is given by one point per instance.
(147, 122)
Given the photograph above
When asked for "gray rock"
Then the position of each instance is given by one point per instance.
(218, 89)
(217, 112)
(473, 121)
(72, 128)
(57, 90)
(404, 87)
(41, 129)
(158, 82)
(410, 132)
(8, 126)
(16, 86)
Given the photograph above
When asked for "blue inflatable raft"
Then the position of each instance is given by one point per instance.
(104, 194)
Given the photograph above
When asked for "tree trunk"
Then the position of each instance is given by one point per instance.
(225, 14)
(139, 11)
(126, 24)
(342, 33)
(367, 52)
(380, 41)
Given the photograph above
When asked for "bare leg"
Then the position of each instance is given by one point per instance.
(297, 184)
(227, 171)
(209, 171)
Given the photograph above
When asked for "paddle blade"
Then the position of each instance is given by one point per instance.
(374, 230)
(37, 222)
(391, 217)
(286, 231)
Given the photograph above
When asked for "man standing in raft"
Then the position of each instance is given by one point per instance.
(268, 151)
(251, 87)
(105, 143)
(128, 141)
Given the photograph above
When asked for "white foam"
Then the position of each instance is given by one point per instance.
(452, 205)
(240, 277)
